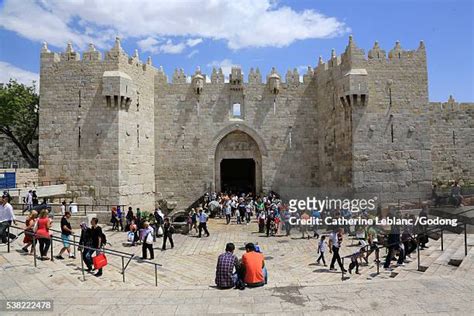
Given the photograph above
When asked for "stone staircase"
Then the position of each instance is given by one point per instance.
(192, 264)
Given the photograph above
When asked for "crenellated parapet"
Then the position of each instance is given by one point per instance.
(70, 54)
(450, 106)
(255, 77)
(160, 77)
(308, 76)
(179, 77)
(115, 55)
(376, 52)
(217, 76)
(292, 78)
(352, 65)
(197, 80)
(92, 54)
(273, 81)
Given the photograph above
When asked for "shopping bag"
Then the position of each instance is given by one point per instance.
(99, 261)
(149, 239)
(130, 236)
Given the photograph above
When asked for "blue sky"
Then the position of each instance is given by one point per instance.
(265, 33)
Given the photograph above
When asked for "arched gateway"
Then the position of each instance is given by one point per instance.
(238, 160)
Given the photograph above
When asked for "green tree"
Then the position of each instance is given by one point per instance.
(19, 106)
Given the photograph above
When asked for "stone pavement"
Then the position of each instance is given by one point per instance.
(296, 284)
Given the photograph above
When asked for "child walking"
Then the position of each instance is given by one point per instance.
(354, 260)
(322, 248)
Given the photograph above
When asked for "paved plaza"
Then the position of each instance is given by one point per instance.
(296, 284)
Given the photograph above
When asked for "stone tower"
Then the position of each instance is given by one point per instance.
(96, 126)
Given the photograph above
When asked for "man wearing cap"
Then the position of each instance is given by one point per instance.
(6, 218)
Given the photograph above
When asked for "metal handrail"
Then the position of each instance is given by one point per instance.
(112, 252)
(415, 237)
(74, 235)
(81, 208)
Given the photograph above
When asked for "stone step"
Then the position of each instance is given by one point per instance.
(465, 269)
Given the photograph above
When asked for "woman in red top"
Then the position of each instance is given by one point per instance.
(43, 234)
(29, 224)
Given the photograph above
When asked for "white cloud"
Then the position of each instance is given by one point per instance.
(193, 42)
(149, 44)
(225, 64)
(170, 48)
(156, 46)
(239, 23)
(192, 53)
(8, 71)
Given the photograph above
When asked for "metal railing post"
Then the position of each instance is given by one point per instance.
(377, 259)
(465, 239)
(8, 238)
(82, 265)
(342, 270)
(34, 249)
(156, 274)
(123, 270)
(442, 243)
(74, 242)
(51, 245)
(418, 255)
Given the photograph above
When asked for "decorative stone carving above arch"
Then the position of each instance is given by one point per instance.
(242, 128)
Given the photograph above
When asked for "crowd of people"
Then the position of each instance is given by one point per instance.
(269, 211)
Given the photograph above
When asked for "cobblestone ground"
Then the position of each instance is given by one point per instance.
(296, 286)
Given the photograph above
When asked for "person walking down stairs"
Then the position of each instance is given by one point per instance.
(92, 237)
(66, 232)
(43, 234)
(168, 232)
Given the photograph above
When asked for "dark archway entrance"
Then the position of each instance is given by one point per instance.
(238, 164)
(238, 175)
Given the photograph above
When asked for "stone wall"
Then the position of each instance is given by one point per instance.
(452, 135)
(10, 155)
(89, 140)
(118, 132)
(189, 127)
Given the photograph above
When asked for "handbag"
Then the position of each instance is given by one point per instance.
(160, 231)
(99, 261)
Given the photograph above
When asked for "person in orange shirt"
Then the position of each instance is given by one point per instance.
(252, 267)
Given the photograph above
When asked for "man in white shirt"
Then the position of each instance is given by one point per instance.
(335, 243)
(6, 219)
(63, 208)
(203, 223)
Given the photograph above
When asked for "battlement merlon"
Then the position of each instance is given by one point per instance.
(450, 106)
(352, 58)
(115, 54)
(355, 57)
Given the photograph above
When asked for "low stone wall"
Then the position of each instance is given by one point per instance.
(25, 177)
